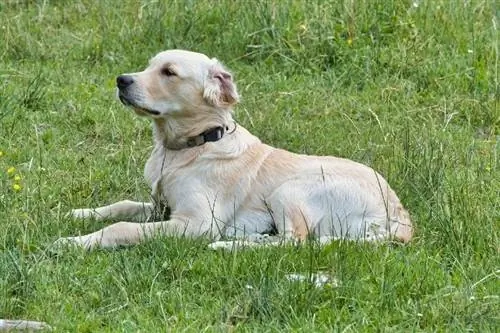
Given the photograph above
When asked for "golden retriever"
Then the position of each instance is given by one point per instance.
(220, 181)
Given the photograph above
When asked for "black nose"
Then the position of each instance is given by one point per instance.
(123, 81)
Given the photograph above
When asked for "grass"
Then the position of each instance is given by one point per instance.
(409, 88)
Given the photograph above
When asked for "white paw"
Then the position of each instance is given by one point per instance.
(230, 245)
(258, 238)
(64, 243)
(82, 213)
(225, 245)
(252, 240)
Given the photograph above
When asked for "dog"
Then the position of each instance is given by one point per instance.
(221, 182)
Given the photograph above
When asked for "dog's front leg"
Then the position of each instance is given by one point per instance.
(129, 233)
(122, 210)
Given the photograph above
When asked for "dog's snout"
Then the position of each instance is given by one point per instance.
(123, 81)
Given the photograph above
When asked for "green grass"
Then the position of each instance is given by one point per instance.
(410, 91)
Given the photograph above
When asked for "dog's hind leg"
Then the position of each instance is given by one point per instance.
(122, 210)
(253, 240)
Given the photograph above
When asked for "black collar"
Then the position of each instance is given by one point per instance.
(210, 135)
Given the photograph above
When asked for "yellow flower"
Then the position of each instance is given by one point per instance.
(1, 153)
(349, 41)
(11, 170)
(16, 187)
(17, 178)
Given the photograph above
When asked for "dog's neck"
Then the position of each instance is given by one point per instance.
(188, 132)
(210, 135)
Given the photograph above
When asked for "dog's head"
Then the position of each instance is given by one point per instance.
(178, 83)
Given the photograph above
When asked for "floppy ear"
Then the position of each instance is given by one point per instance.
(220, 89)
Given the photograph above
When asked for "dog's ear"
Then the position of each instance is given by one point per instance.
(220, 90)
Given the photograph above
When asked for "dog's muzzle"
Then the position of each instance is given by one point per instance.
(123, 82)
(124, 99)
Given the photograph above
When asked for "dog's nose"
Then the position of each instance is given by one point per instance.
(123, 81)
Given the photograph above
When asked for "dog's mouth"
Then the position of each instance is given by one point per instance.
(127, 102)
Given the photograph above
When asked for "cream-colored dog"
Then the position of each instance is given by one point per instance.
(220, 181)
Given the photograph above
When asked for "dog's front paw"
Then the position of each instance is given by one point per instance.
(64, 243)
(82, 213)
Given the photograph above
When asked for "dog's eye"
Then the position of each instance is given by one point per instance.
(167, 71)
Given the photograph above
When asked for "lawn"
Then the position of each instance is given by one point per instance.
(410, 88)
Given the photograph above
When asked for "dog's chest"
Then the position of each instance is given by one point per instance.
(164, 172)
(154, 170)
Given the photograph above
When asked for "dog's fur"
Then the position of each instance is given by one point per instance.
(236, 186)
